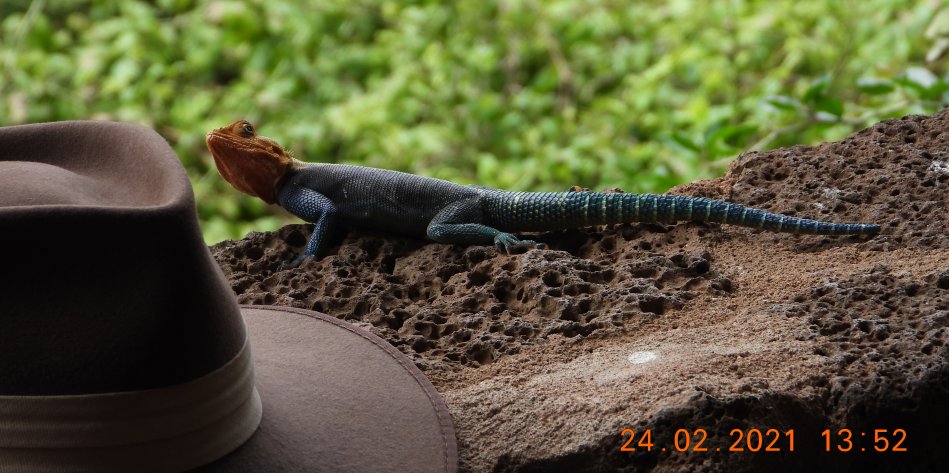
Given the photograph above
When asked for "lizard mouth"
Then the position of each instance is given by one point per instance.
(218, 135)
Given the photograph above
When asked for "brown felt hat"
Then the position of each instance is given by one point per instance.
(122, 348)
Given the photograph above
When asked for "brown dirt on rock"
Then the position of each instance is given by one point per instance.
(534, 352)
(451, 307)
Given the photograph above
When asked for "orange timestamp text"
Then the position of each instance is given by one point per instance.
(697, 440)
(765, 440)
(879, 440)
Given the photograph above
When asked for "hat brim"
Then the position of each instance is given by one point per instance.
(338, 398)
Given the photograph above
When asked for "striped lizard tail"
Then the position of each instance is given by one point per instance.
(540, 211)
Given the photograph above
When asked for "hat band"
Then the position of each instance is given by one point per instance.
(172, 428)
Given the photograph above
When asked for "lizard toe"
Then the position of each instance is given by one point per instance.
(510, 244)
(293, 264)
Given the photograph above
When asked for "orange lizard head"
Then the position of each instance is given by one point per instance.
(253, 164)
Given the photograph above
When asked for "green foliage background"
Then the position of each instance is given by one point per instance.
(517, 94)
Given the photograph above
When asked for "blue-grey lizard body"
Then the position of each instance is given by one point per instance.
(331, 194)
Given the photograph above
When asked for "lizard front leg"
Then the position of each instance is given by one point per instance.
(315, 208)
(460, 223)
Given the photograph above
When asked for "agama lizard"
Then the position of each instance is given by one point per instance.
(363, 197)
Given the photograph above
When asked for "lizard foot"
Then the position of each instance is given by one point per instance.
(509, 244)
(293, 264)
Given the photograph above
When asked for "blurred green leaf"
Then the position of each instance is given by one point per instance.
(733, 135)
(919, 78)
(875, 86)
(684, 141)
(830, 105)
(783, 103)
(817, 90)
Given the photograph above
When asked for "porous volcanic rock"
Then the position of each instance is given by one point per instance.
(692, 332)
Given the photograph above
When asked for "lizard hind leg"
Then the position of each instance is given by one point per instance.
(460, 223)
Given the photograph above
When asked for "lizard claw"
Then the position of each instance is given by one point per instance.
(293, 264)
(509, 244)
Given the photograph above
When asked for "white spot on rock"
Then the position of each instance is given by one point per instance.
(640, 357)
(831, 193)
(939, 166)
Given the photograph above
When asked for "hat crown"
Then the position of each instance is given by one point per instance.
(107, 285)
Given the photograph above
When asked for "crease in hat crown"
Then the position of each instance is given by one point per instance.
(123, 348)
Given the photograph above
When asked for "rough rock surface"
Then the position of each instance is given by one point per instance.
(544, 358)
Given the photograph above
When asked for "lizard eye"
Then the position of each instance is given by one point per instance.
(247, 130)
